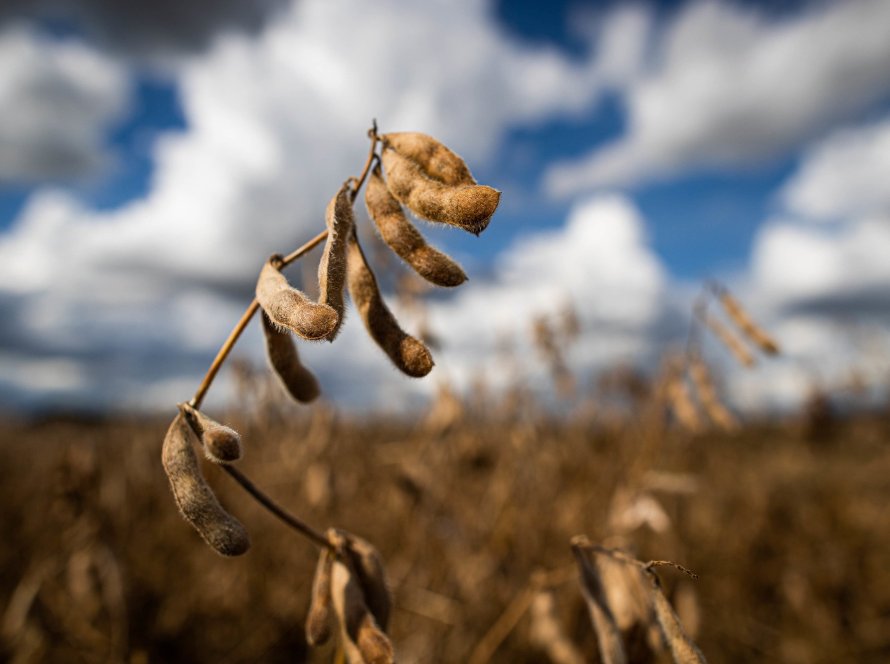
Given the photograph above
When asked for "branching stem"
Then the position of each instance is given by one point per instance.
(292, 521)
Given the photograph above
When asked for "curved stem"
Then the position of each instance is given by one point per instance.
(224, 351)
(294, 522)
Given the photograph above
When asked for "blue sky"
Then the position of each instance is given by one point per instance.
(687, 141)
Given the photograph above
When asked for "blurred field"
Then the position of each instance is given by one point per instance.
(787, 525)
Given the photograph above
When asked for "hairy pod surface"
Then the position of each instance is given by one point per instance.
(290, 309)
(465, 206)
(363, 640)
(406, 352)
(607, 634)
(368, 565)
(332, 268)
(404, 239)
(318, 620)
(284, 359)
(434, 159)
(221, 444)
(683, 649)
(196, 501)
(746, 324)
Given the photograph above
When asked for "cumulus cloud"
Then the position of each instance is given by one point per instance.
(819, 274)
(843, 175)
(151, 28)
(275, 123)
(727, 87)
(599, 262)
(57, 99)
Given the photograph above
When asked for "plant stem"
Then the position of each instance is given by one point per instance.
(252, 308)
(292, 521)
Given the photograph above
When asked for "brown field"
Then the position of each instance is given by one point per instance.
(787, 525)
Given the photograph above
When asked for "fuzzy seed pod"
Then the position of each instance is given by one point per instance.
(466, 206)
(404, 239)
(332, 267)
(406, 352)
(197, 502)
(434, 159)
(318, 624)
(291, 309)
(607, 635)
(683, 649)
(221, 443)
(282, 352)
(732, 342)
(707, 395)
(754, 332)
(363, 640)
(368, 565)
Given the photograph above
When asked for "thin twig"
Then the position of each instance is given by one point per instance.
(294, 522)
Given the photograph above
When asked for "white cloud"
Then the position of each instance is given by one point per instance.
(599, 262)
(57, 100)
(844, 175)
(274, 124)
(728, 87)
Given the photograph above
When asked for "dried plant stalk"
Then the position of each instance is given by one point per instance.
(221, 443)
(406, 352)
(299, 382)
(368, 565)
(289, 308)
(607, 635)
(332, 267)
(196, 501)
(746, 324)
(363, 640)
(465, 206)
(681, 403)
(707, 395)
(404, 239)
(682, 648)
(318, 620)
(547, 633)
(434, 159)
(728, 339)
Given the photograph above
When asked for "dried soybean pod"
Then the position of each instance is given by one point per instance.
(318, 620)
(368, 565)
(433, 158)
(332, 267)
(404, 239)
(732, 343)
(607, 635)
(465, 206)
(300, 383)
(406, 352)
(289, 308)
(197, 502)
(681, 403)
(707, 395)
(752, 330)
(683, 649)
(221, 444)
(363, 640)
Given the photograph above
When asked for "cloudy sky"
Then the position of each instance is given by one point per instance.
(152, 156)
